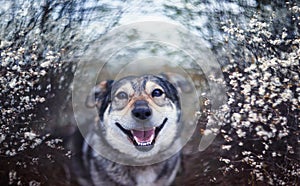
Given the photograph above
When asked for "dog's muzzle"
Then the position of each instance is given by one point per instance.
(143, 140)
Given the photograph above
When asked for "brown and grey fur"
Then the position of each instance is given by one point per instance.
(115, 116)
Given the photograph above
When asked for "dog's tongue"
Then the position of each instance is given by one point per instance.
(143, 136)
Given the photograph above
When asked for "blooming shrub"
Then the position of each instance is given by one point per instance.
(25, 82)
(260, 129)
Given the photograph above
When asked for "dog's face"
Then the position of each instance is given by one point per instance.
(139, 115)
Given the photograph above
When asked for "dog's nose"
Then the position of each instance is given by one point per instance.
(141, 110)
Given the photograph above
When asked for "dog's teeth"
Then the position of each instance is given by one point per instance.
(144, 143)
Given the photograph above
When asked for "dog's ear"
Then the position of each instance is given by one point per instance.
(178, 81)
(99, 94)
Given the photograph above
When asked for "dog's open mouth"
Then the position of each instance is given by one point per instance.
(142, 138)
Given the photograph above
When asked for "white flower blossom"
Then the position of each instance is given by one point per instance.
(226, 147)
(29, 135)
(241, 133)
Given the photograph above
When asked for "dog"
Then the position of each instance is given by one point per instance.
(139, 121)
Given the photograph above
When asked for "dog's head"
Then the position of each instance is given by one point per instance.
(139, 115)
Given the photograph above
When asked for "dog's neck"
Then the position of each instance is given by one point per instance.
(104, 170)
(161, 173)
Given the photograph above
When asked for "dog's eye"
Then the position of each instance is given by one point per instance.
(122, 95)
(157, 93)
